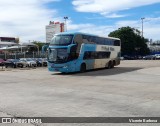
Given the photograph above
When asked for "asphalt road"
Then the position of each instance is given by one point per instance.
(131, 89)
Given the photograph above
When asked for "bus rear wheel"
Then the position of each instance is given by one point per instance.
(83, 68)
(109, 65)
(113, 64)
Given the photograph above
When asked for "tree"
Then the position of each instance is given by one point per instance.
(131, 41)
(39, 44)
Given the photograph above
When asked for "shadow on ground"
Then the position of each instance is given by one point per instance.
(102, 72)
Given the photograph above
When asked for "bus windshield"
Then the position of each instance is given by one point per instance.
(58, 55)
(61, 40)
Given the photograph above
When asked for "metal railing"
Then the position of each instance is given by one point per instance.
(23, 55)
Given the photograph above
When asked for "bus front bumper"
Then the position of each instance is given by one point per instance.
(59, 68)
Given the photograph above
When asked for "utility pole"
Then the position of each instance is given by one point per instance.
(142, 25)
(66, 18)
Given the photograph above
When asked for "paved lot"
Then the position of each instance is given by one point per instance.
(130, 89)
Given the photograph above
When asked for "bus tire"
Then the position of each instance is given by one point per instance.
(114, 63)
(83, 68)
(109, 65)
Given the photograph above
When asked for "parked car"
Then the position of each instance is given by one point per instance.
(149, 57)
(35, 60)
(25, 64)
(13, 63)
(121, 58)
(45, 60)
(42, 61)
(2, 62)
(127, 57)
(139, 57)
(157, 56)
(29, 62)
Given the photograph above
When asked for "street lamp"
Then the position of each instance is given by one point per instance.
(142, 25)
(65, 18)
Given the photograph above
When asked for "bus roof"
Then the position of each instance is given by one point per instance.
(75, 33)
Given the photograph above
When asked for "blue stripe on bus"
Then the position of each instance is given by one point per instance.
(75, 64)
(89, 63)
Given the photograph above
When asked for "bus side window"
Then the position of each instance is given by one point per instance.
(105, 41)
(92, 40)
(112, 42)
(73, 55)
(96, 40)
(116, 42)
(86, 55)
(102, 41)
(86, 39)
(92, 55)
(78, 40)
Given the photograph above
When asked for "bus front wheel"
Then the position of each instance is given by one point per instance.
(83, 68)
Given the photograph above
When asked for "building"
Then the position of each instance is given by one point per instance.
(53, 28)
(8, 41)
(154, 47)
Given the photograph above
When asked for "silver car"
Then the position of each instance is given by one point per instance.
(29, 62)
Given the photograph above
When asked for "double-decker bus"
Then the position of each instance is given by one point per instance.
(72, 52)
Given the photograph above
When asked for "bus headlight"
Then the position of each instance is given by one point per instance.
(66, 66)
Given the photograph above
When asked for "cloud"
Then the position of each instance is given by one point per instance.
(109, 6)
(151, 27)
(102, 30)
(25, 19)
(113, 15)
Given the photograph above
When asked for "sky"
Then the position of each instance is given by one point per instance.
(27, 19)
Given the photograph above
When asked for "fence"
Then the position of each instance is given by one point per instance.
(23, 55)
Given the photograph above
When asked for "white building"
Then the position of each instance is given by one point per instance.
(53, 28)
(8, 41)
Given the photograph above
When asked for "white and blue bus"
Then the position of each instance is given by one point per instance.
(72, 52)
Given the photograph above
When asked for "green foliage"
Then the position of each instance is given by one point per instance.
(131, 41)
(39, 44)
